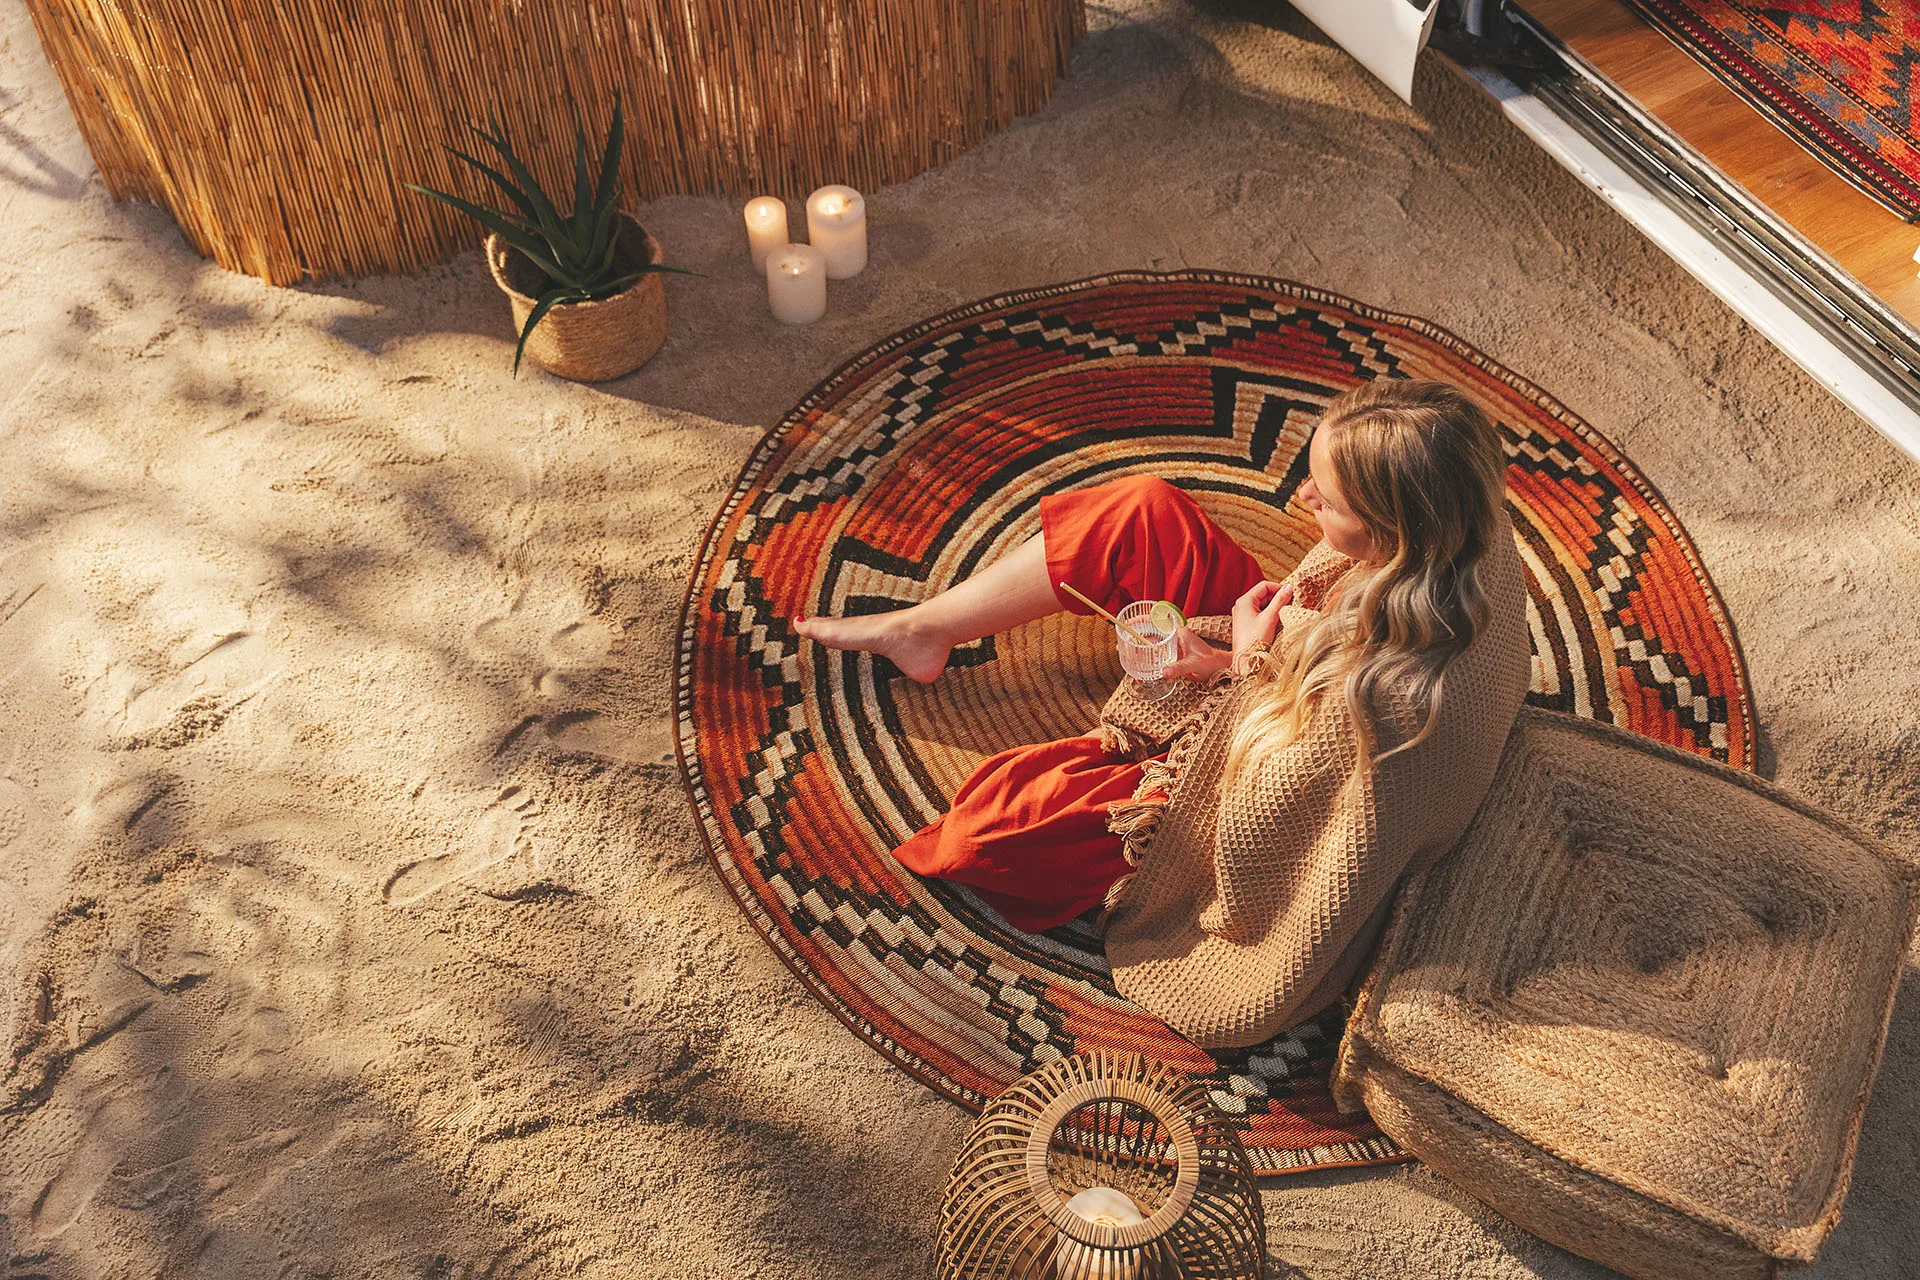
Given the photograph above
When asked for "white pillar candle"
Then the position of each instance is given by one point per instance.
(837, 226)
(797, 283)
(766, 228)
(1102, 1205)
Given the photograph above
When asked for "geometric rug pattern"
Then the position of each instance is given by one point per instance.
(1838, 75)
(926, 457)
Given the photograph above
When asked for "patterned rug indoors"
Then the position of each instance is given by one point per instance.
(1839, 75)
(925, 458)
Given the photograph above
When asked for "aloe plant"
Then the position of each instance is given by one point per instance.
(576, 251)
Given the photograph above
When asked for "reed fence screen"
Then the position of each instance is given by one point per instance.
(279, 132)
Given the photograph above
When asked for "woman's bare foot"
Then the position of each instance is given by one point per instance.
(916, 650)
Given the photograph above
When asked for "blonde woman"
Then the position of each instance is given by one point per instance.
(1333, 732)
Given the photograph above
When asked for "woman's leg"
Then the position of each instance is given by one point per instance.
(1134, 539)
(1012, 590)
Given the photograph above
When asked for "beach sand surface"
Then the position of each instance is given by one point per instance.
(354, 920)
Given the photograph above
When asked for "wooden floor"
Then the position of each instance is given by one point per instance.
(1855, 230)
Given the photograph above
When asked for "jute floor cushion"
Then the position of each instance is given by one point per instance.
(923, 459)
(1639, 1009)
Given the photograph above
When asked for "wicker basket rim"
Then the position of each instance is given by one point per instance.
(498, 249)
(1053, 1206)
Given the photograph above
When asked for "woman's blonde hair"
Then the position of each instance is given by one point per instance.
(1420, 465)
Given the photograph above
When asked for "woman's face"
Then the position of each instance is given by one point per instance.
(1321, 492)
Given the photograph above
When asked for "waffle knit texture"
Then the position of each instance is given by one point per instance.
(1251, 910)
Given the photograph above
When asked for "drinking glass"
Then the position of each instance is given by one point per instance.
(1145, 662)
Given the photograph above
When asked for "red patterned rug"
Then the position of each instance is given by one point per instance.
(1839, 75)
(925, 458)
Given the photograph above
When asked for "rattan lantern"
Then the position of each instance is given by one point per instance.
(1102, 1167)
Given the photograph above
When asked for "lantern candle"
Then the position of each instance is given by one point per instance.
(766, 228)
(1107, 1207)
(837, 226)
(797, 283)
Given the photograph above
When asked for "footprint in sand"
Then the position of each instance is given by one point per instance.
(506, 828)
(23, 862)
(192, 700)
(502, 633)
(264, 1036)
(582, 642)
(29, 604)
(84, 1171)
(16, 811)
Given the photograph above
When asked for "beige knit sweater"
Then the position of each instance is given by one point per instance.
(1251, 911)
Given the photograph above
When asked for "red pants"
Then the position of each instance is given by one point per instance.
(1029, 829)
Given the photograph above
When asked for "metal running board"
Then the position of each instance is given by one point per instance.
(1817, 314)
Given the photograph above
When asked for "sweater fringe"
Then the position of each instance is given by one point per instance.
(1135, 821)
(1117, 740)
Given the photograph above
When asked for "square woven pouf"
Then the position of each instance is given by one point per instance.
(1638, 1010)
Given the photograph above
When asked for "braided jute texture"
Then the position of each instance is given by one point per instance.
(589, 341)
(1640, 1008)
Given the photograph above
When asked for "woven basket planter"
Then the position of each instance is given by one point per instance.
(589, 341)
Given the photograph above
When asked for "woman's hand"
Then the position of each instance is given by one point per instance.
(1197, 659)
(1256, 615)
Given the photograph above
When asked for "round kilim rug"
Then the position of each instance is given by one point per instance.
(925, 458)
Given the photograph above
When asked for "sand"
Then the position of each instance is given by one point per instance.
(354, 922)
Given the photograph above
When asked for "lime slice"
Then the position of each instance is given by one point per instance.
(1166, 617)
